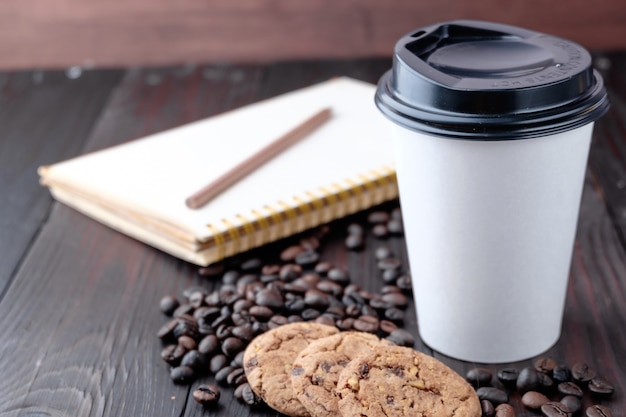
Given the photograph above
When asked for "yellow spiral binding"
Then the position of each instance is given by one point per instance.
(283, 219)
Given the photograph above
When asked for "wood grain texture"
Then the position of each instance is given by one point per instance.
(80, 316)
(40, 34)
(44, 118)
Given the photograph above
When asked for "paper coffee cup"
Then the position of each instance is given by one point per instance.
(492, 127)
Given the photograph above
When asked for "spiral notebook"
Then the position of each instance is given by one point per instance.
(139, 188)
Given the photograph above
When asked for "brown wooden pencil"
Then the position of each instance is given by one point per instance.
(214, 188)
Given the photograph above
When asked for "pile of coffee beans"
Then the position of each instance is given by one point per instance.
(208, 330)
(548, 388)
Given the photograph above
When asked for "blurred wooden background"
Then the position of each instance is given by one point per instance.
(94, 33)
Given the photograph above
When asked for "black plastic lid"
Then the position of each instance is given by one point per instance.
(488, 81)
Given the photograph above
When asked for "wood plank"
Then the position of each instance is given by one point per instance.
(44, 118)
(36, 34)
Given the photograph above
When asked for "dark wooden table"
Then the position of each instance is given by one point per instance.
(79, 302)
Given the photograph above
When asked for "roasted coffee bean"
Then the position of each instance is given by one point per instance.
(573, 403)
(325, 319)
(231, 346)
(261, 313)
(390, 275)
(527, 380)
(310, 314)
(355, 242)
(479, 377)
(206, 313)
(259, 327)
(376, 217)
(277, 321)
(269, 297)
(189, 290)
(600, 386)
(598, 410)
(401, 337)
(208, 344)
(206, 395)
(395, 227)
(546, 384)
(368, 310)
(316, 299)
(570, 388)
(290, 253)
(217, 362)
(222, 374)
(383, 252)
(581, 372)
(294, 318)
(289, 272)
(193, 359)
(505, 410)
(307, 258)
(345, 324)
(237, 361)
(339, 276)
(168, 304)
(355, 229)
(404, 282)
(243, 332)
(241, 318)
(561, 373)
(394, 314)
(367, 323)
(236, 377)
(330, 287)
(187, 342)
(213, 299)
(247, 279)
(387, 326)
(182, 374)
(379, 304)
(495, 395)
(196, 299)
(252, 264)
(247, 395)
(380, 231)
(242, 305)
(545, 365)
(335, 312)
(186, 326)
(396, 299)
(323, 267)
(555, 409)
(295, 304)
(230, 277)
(487, 408)
(172, 354)
(223, 331)
(534, 400)
(310, 243)
(389, 263)
(508, 376)
(166, 332)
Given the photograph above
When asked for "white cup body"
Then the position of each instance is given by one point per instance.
(490, 228)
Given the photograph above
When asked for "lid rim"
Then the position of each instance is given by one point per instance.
(493, 126)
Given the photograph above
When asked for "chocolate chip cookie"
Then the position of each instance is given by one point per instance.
(268, 361)
(399, 381)
(316, 369)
